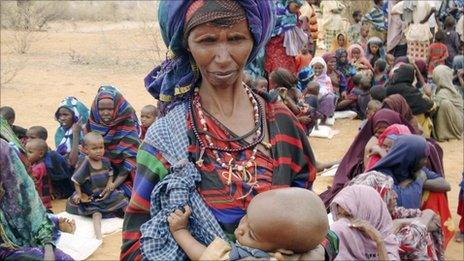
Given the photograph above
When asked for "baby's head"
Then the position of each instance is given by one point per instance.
(36, 149)
(260, 84)
(37, 132)
(94, 146)
(8, 114)
(380, 66)
(148, 115)
(390, 59)
(357, 79)
(313, 88)
(365, 84)
(372, 107)
(284, 219)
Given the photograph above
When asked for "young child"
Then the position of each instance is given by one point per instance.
(9, 115)
(148, 116)
(438, 52)
(362, 97)
(372, 107)
(390, 61)
(327, 98)
(93, 181)
(380, 72)
(311, 102)
(36, 149)
(37, 132)
(451, 40)
(354, 31)
(260, 84)
(277, 220)
(303, 59)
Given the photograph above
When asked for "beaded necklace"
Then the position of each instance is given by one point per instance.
(235, 169)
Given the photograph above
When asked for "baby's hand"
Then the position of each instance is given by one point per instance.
(178, 220)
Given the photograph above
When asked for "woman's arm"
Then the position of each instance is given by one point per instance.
(437, 185)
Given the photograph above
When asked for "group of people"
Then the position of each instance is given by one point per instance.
(224, 159)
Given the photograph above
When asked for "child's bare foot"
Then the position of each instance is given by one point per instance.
(67, 225)
(459, 237)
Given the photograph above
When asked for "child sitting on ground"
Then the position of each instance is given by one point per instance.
(311, 99)
(438, 52)
(93, 181)
(362, 97)
(288, 220)
(148, 116)
(36, 150)
(380, 72)
(372, 107)
(58, 168)
(9, 115)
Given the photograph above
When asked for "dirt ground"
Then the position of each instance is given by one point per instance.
(75, 59)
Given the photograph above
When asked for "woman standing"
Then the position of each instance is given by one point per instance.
(449, 119)
(115, 119)
(202, 98)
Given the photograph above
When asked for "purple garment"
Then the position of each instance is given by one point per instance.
(31, 253)
(327, 104)
(352, 163)
(364, 203)
(452, 42)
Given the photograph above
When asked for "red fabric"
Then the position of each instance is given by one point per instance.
(43, 184)
(438, 202)
(461, 209)
(438, 53)
(302, 60)
(143, 132)
(276, 56)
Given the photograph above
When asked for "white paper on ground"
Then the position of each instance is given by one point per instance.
(323, 132)
(330, 172)
(84, 225)
(345, 115)
(78, 247)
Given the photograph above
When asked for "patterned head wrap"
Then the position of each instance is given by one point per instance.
(173, 79)
(305, 75)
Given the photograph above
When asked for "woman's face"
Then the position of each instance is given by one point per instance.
(331, 64)
(374, 48)
(65, 118)
(105, 109)
(318, 69)
(341, 40)
(356, 53)
(221, 53)
(343, 58)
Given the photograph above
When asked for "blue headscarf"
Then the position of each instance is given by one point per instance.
(405, 154)
(173, 79)
(305, 75)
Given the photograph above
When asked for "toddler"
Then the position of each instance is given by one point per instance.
(148, 116)
(36, 150)
(380, 73)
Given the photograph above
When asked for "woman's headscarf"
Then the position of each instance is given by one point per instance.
(381, 53)
(323, 79)
(173, 79)
(121, 136)
(328, 56)
(443, 78)
(352, 163)
(395, 129)
(363, 202)
(305, 75)
(345, 68)
(63, 137)
(378, 181)
(397, 103)
(405, 154)
(362, 55)
(23, 220)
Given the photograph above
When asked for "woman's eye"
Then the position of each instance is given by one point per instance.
(235, 38)
(207, 40)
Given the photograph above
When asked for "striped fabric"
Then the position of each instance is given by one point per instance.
(292, 163)
(376, 17)
(121, 137)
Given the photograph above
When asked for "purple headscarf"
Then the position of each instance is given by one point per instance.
(173, 79)
(352, 163)
(362, 202)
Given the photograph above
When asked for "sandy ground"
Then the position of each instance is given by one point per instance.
(75, 59)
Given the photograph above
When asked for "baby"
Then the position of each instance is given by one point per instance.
(37, 132)
(290, 220)
(95, 194)
(36, 150)
(148, 116)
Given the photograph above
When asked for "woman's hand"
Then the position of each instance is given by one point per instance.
(178, 220)
(81, 198)
(77, 127)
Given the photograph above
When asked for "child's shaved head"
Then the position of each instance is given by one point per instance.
(151, 109)
(148, 115)
(291, 218)
(36, 149)
(37, 132)
(92, 137)
(38, 144)
(8, 114)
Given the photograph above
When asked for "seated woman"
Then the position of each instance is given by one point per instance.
(115, 119)
(343, 65)
(234, 161)
(326, 90)
(421, 106)
(384, 143)
(418, 232)
(71, 115)
(374, 50)
(358, 59)
(397, 103)
(449, 119)
(27, 231)
(405, 163)
(352, 163)
(363, 225)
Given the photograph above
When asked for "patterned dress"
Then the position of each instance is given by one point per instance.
(42, 183)
(93, 182)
